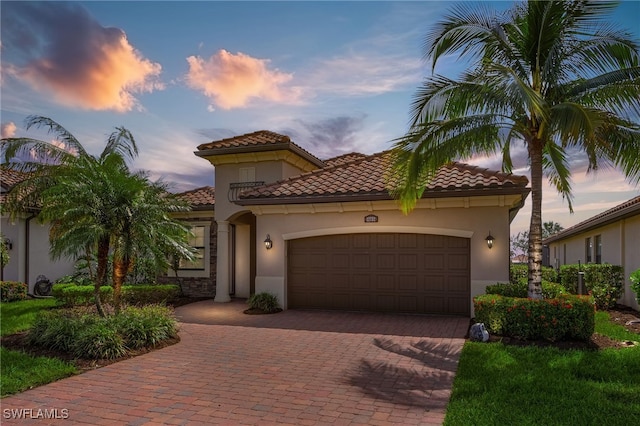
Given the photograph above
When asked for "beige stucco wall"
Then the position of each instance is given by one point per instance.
(488, 266)
(40, 262)
(266, 171)
(620, 246)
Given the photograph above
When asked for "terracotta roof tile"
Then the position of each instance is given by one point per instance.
(258, 141)
(343, 159)
(199, 197)
(9, 178)
(261, 137)
(365, 178)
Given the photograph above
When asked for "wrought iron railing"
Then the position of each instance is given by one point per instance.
(236, 188)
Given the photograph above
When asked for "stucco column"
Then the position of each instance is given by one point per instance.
(222, 263)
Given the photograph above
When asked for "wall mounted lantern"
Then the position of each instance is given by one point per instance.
(268, 243)
(8, 244)
(489, 240)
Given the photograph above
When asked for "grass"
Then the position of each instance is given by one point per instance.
(19, 371)
(18, 316)
(615, 331)
(500, 384)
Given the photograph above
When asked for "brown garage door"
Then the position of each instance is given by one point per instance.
(380, 272)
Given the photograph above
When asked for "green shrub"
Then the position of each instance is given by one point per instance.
(150, 294)
(146, 326)
(635, 283)
(11, 291)
(85, 334)
(519, 271)
(99, 340)
(264, 301)
(77, 295)
(550, 290)
(567, 317)
(605, 283)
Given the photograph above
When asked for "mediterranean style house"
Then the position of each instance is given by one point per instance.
(612, 236)
(327, 234)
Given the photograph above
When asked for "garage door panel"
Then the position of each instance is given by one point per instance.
(386, 261)
(385, 282)
(408, 283)
(361, 261)
(380, 272)
(433, 261)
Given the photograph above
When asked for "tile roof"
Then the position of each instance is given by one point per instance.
(199, 197)
(365, 179)
(262, 140)
(9, 178)
(621, 211)
(343, 159)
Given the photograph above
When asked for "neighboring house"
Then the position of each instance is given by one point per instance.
(327, 234)
(609, 237)
(28, 241)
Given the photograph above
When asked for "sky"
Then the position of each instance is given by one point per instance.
(337, 77)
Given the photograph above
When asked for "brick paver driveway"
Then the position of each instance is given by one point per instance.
(295, 367)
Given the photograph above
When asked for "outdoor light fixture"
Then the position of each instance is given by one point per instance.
(8, 244)
(268, 243)
(489, 240)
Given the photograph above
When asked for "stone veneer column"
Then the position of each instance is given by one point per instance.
(222, 265)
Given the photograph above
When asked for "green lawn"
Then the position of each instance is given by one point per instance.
(507, 385)
(19, 371)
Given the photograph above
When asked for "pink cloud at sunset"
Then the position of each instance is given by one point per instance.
(230, 81)
(82, 64)
(8, 130)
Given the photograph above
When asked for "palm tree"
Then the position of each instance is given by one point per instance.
(89, 200)
(551, 75)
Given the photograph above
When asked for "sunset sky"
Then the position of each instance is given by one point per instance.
(335, 76)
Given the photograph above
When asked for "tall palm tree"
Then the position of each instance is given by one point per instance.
(551, 75)
(89, 200)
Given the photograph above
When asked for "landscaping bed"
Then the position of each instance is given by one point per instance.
(619, 315)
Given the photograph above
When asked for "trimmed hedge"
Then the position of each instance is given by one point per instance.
(567, 317)
(78, 295)
(521, 289)
(603, 281)
(11, 291)
(519, 271)
(86, 335)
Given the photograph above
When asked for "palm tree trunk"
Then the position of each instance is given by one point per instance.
(101, 273)
(535, 226)
(120, 268)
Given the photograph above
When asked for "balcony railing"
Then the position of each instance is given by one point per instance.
(236, 188)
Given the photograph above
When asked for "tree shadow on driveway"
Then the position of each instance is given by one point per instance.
(418, 374)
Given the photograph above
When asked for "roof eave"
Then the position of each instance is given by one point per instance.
(377, 196)
(588, 225)
(278, 146)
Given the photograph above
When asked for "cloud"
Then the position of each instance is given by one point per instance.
(231, 81)
(65, 52)
(364, 74)
(327, 137)
(8, 129)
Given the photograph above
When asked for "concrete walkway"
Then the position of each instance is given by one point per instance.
(295, 367)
